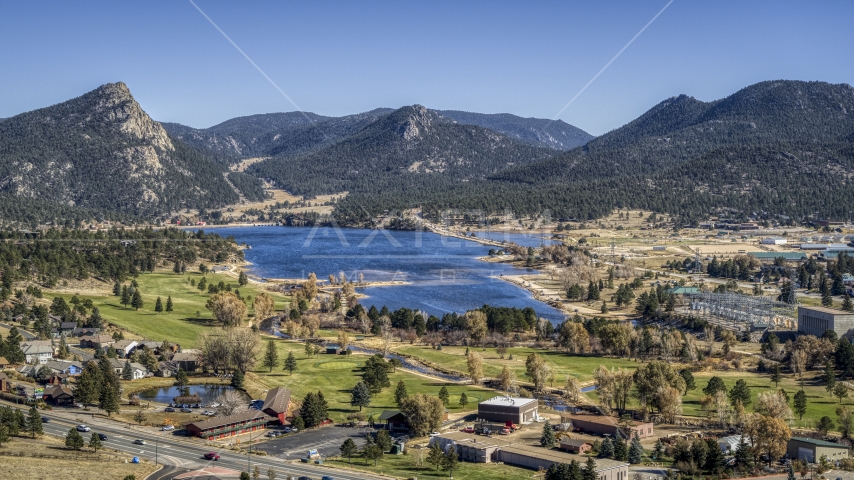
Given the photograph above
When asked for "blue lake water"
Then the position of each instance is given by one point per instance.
(444, 273)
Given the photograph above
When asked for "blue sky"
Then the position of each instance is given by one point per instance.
(338, 58)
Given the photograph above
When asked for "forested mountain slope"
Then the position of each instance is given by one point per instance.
(412, 144)
(102, 152)
(778, 147)
(539, 132)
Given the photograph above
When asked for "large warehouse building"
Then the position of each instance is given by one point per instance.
(817, 320)
(811, 450)
(508, 409)
(536, 458)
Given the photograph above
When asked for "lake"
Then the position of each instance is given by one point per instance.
(444, 272)
(207, 393)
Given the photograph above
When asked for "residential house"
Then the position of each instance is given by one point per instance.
(65, 367)
(99, 341)
(58, 395)
(189, 362)
(125, 347)
(166, 369)
(4, 363)
(65, 328)
(84, 331)
(37, 354)
(139, 371)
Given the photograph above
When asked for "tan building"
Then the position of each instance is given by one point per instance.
(607, 425)
(470, 447)
(535, 458)
(575, 446)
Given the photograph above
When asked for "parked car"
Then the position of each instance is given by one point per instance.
(78, 405)
(167, 428)
(140, 441)
(213, 405)
(198, 405)
(45, 420)
(326, 477)
(102, 437)
(468, 430)
(304, 478)
(83, 428)
(288, 429)
(168, 409)
(211, 456)
(186, 410)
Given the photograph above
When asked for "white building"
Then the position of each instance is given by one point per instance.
(774, 241)
(730, 444)
(40, 354)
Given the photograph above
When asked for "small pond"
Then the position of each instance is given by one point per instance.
(207, 393)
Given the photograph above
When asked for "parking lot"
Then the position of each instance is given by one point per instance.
(326, 440)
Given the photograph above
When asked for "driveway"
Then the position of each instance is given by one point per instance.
(326, 440)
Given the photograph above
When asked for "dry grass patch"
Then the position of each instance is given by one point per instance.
(46, 457)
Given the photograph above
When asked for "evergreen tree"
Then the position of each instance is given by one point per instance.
(34, 422)
(791, 473)
(451, 460)
(87, 389)
(181, 379)
(73, 440)
(547, 439)
(95, 442)
(436, 457)
(658, 451)
(158, 305)
(169, 306)
(636, 450)
(237, 379)
(589, 470)
(743, 455)
(348, 449)
(775, 374)
(829, 376)
(361, 395)
(847, 304)
(444, 395)
(606, 449)
(740, 393)
(126, 297)
(399, 393)
(464, 400)
(715, 461)
(127, 372)
(136, 302)
(383, 440)
(109, 401)
(290, 363)
(4, 434)
(620, 451)
(242, 279)
(800, 404)
(271, 355)
(117, 289)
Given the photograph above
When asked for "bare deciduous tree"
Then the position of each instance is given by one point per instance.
(230, 402)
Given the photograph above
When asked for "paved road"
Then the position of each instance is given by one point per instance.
(169, 449)
(27, 335)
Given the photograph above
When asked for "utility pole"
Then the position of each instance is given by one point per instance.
(156, 440)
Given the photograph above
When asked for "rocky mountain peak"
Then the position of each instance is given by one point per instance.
(114, 103)
(417, 122)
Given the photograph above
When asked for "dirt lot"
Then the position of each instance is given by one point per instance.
(45, 457)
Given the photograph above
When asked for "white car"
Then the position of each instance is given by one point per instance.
(168, 428)
(83, 428)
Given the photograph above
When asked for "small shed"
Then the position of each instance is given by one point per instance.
(332, 349)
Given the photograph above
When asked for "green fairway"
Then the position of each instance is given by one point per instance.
(335, 376)
(189, 317)
(453, 358)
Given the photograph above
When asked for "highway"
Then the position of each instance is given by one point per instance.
(171, 450)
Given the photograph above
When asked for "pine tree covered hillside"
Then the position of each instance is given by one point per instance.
(101, 151)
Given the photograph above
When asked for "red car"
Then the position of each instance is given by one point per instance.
(211, 456)
(468, 430)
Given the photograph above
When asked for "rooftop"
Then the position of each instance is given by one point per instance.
(469, 439)
(820, 443)
(561, 457)
(236, 418)
(277, 400)
(516, 401)
(831, 311)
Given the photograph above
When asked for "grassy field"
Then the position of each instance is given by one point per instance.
(403, 466)
(335, 376)
(453, 358)
(71, 465)
(182, 325)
